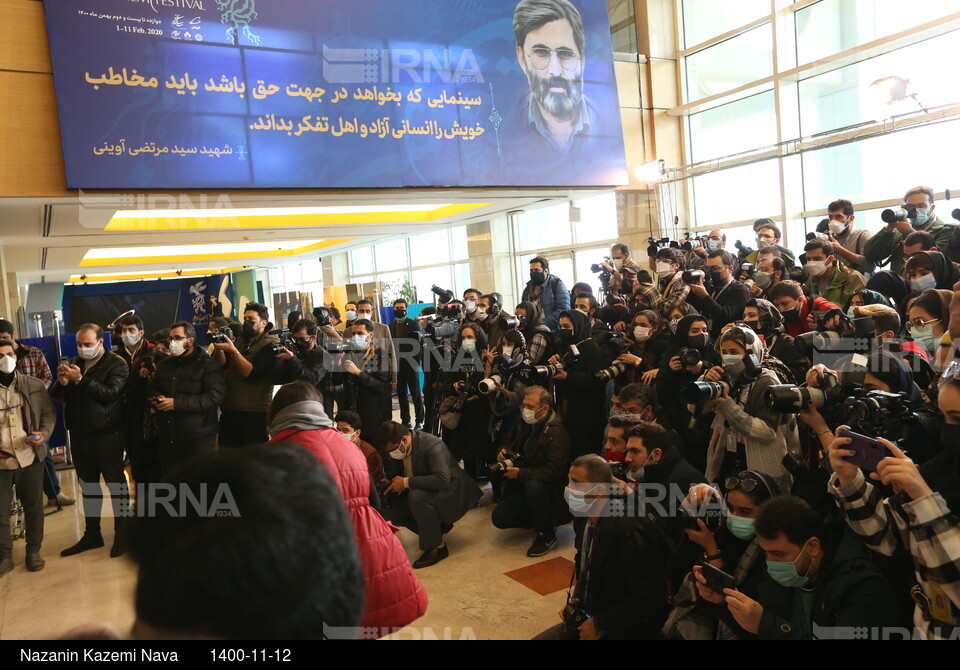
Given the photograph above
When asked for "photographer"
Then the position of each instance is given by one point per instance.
(547, 292)
(697, 256)
(381, 337)
(733, 548)
(185, 393)
(509, 367)
(587, 304)
(580, 392)
(771, 270)
(768, 238)
(747, 434)
(725, 300)
(848, 242)
(828, 278)
(797, 310)
(818, 579)
(307, 361)
(917, 213)
(406, 334)
(619, 565)
(470, 298)
(469, 439)
(494, 320)
(765, 320)
(540, 340)
(647, 346)
(251, 367)
(921, 517)
(534, 464)
(673, 292)
(366, 377)
(138, 352)
(622, 268)
(327, 319)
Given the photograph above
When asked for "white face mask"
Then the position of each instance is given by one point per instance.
(8, 364)
(131, 339)
(360, 341)
(528, 415)
(177, 347)
(836, 227)
(397, 454)
(470, 345)
(350, 436)
(617, 263)
(508, 351)
(89, 353)
(365, 315)
(640, 333)
(470, 306)
(664, 269)
(481, 315)
(816, 268)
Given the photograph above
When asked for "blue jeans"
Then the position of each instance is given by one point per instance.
(526, 504)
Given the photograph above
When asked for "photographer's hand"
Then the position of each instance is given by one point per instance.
(226, 346)
(629, 359)
(813, 418)
(704, 537)
(676, 364)
(707, 594)
(714, 374)
(698, 289)
(351, 368)
(901, 472)
(845, 470)
(511, 473)
(286, 355)
(554, 360)
(650, 376)
(816, 374)
(560, 376)
(501, 455)
(811, 321)
(620, 326)
(745, 610)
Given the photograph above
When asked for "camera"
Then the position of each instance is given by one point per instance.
(742, 250)
(147, 361)
(322, 315)
(617, 470)
(332, 346)
(654, 245)
(894, 216)
(574, 615)
(691, 243)
(445, 295)
(511, 459)
(747, 271)
(489, 385)
(613, 371)
(875, 412)
(598, 268)
(693, 276)
(791, 399)
(509, 322)
(690, 356)
(710, 511)
(541, 374)
(696, 393)
(220, 336)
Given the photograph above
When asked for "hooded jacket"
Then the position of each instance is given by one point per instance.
(580, 397)
(394, 597)
(779, 345)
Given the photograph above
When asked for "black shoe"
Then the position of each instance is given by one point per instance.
(446, 528)
(119, 547)
(542, 545)
(88, 541)
(35, 562)
(432, 557)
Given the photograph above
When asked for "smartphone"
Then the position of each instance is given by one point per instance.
(868, 452)
(717, 579)
(64, 360)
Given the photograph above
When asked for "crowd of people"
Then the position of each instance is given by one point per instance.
(760, 444)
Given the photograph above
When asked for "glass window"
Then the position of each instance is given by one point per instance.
(461, 278)
(737, 194)
(830, 26)
(544, 227)
(422, 280)
(598, 219)
(703, 19)
(583, 260)
(623, 26)
(730, 64)
(430, 248)
(745, 124)
(361, 261)
(391, 255)
(459, 238)
(311, 271)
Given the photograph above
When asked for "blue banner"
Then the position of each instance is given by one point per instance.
(335, 94)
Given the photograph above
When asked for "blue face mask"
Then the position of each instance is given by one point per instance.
(711, 246)
(740, 527)
(351, 315)
(925, 338)
(786, 574)
(923, 283)
(922, 218)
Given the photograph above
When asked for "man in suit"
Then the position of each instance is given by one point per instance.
(428, 491)
(381, 337)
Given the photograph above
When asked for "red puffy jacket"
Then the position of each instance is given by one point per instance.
(394, 595)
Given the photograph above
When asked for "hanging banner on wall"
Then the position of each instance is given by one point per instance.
(340, 93)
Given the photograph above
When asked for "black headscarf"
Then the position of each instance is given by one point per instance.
(679, 338)
(771, 320)
(891, 285)
(943, 269)
(581, 324)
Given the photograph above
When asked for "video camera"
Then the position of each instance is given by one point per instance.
(444, 324)
(445, 295)
(656, 244)
(742, 251)
(322, 316)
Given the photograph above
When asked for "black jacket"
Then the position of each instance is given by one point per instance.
(309, 369)
(95, 405)
(544, 447)
(197, 385)
(724, 308)
(406, 341)
(368, 393)
(625, 590)
(673, 469)
(581, 396)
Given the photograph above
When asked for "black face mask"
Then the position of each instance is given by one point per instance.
(950, 436)
(303, 346)
(753, 325)
(249, 330)
(538, 277)
(791, 314)
(400, 313)
(566, 336)
(6, 378)
(698, 341)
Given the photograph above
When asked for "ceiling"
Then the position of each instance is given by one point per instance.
(50, 239)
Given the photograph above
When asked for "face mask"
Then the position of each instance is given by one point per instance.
(8, 364)
(303, 346)
(566, 336)
(816, 268)
(360, 341)
(641, 334)
(350, 436)
(177, 347)
(538, 277)
(613, 456)
(399, 313)
(763, 244)
(481, 315)
(507, 351)
(351, 315)
(791, 314)
(741, 527)
(922, 218)
(733, 365)
(636, 475)
(673, 325)
(615, 412)
(925, 337)
(469, 345)
(763, 279)
(836, 227)
(698, 341)
(753, 325)
(786, 574)
(365, 315)
(131, 339)
(529, 416)
(923, 283)
(470, 306)
(710, 246)
(664, 269)
(397, 454)
(578, 503)
(851, 314)
(89, 353)
(249, 329)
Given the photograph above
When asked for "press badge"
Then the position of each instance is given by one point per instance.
(940, 605)
(731, 443)
(12, 419)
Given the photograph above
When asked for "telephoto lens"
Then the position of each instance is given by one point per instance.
(790, 399)
(691, 244)
(489, 385)
(690, 356)
(697, 393)
(613, 371)
(894, 215)
(693, 276)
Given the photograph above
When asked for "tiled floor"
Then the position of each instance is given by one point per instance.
(470, 594)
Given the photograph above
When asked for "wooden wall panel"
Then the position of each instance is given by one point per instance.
(23, 37)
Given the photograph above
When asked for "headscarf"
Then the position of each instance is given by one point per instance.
(679, 338)
(943, 268)
(869, 298)
(648, 296)
(581, 324)
(771, 320)
(891, 285)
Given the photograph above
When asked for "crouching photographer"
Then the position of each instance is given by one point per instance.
(746, 432)
(533, 467)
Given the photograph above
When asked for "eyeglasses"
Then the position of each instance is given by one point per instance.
(766, 237)
(920, 323)
(837, 217)
(950, 373)
(540, 58)
(746, 484)
(715, 238)
(177, 338)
